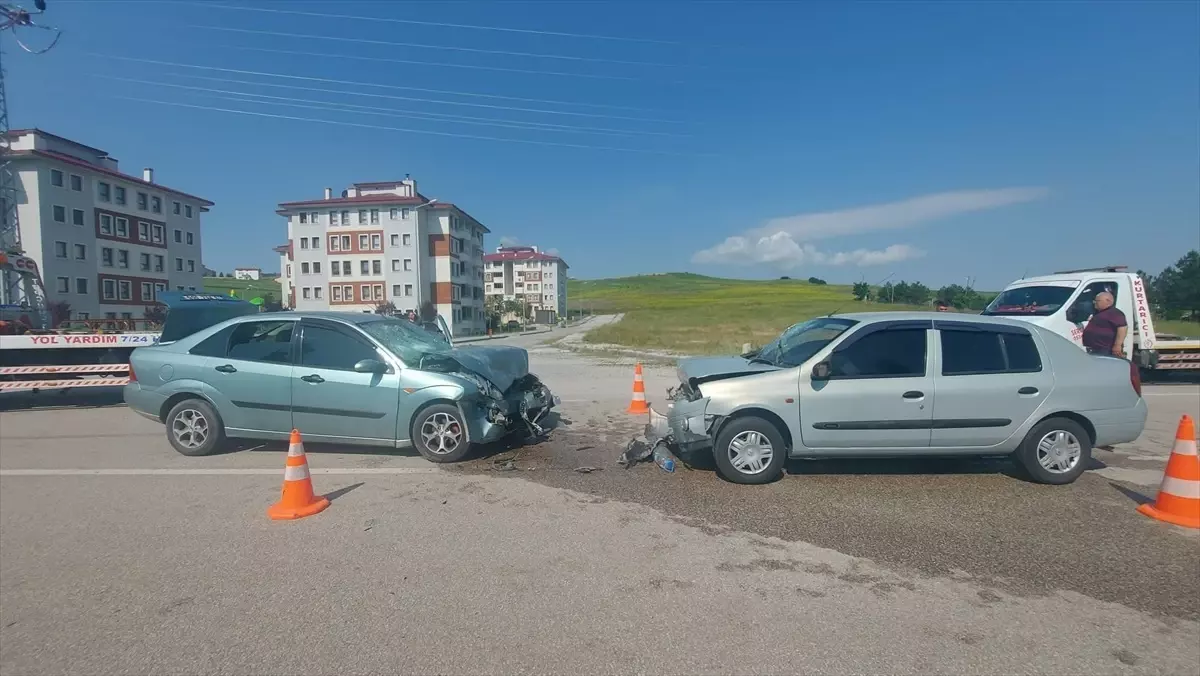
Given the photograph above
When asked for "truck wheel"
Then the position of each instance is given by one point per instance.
(439, 434)
(1056, 451)
(194, 428)
(750, 450)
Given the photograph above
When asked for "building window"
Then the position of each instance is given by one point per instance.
(56, 178)
(179, 265)
(396, 290)
(306, 293)
(407, 264)
(192, 240)
(374, 217)
(317, 292)
(60, 214)
(142, 201)
(345, 268)
(122, 227)
(124, 289)
(104, 191)
(304, 268)
(289, 271)
(80, 252)
(362, 216)
(303, 217)
(144, 261)
(364, 267)
(395, 265)
(394, 240)
(363, 242)
(156, 205)
(122, 258)
(314, 218)
(109, 289)
(407, 240)
(147, 291)
(394, 213)
(76, 183)
(376, 268)
(345, 242)
(333, 218)
(81, 285)
(303, 242)
(316, 242)
(404, 214)
(345, 218)
(191, 265)
(175, 208)
(376, 242)
(106, 224)
(408, 289)
(187, 211)
(77, 216)
(159, 263)
(334, 242)
(317, 268)
(156, 234)
(178, 236)
(159, 288)
(335, 292)
(106, 257)
(143, 231)
(378, 289)
(348, 292)
(63, 284)
(335, 269)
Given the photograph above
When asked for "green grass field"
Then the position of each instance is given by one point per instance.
(706, 315)
(245, 289)
(694, 314)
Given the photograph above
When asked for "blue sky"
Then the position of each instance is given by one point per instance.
(933, 141)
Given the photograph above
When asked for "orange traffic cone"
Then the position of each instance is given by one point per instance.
(297, 500)
(638, 405)
(1179, 496)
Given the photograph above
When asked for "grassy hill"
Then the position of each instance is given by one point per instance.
(244, 288)
(706, 315)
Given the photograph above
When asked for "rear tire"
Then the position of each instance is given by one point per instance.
(439, 434)
(1056, 451)
(194, 428)
(750, 450)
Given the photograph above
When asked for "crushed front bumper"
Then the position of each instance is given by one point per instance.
(686, 425)
(523, 408)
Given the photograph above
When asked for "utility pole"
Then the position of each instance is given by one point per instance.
(20, 284)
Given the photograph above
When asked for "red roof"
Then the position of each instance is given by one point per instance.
(520, 254)
(284, 249)
(84, 164)
(361, 199)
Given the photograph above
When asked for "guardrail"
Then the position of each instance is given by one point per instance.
(80, 375)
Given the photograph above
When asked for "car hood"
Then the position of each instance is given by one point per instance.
(502, 365)
(698, 370)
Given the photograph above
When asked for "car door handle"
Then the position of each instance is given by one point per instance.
(226, 368)
(1027, 390)
(913, 394)
(312, 378)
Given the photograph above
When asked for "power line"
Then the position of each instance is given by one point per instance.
(440, 24)
(473, 50)
(384, 86)
(386, 96)
(413, 114)
(360, 125)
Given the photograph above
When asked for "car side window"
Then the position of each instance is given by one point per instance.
(329, 348)
(214, 345)
(269, 342)
(894, 353)
(1022, 353)
(1083, 303)
(969, 352)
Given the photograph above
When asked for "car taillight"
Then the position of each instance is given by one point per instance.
(1135, 378)
(132, 375)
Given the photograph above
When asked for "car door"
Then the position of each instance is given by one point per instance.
(251, 375)
(990, 381)
(879, 393)
(330, 400)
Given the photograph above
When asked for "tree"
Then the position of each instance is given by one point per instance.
(493, 307)
(1176, 291)
(387, 308)
(861, 291)
(816, 280)
(155, 314)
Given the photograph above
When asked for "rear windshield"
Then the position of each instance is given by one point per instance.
(1039, 301)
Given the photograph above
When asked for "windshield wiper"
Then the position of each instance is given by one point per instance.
(760, 360)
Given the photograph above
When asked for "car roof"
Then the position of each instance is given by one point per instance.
(348, 317)
(870, 317)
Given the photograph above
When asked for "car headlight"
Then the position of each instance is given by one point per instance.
(482, 383)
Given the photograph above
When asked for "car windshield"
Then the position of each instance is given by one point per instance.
(800, 342)
(1039, 301)
(405, 339)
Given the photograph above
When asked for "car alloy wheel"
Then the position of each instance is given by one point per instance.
(190, 428)
(442, 433)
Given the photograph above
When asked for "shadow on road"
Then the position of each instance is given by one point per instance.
(51, 400)
(1131, 494)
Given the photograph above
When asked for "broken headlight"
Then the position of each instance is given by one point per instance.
(485, 386)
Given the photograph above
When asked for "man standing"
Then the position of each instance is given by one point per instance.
(1105, 331)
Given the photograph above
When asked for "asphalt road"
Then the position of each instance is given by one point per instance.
(118, 555)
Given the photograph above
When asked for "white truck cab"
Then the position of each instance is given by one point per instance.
(1062, 302)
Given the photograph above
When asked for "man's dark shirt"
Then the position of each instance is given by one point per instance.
(1101, 331)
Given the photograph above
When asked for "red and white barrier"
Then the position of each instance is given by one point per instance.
(85, 372)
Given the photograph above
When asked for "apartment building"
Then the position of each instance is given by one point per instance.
(522, 273)
(106, 242)
(384, 242)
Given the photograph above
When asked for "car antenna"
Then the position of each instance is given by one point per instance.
(839, 309)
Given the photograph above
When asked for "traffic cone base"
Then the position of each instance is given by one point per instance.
(1178, 500)
(297, 499)
(638, 406)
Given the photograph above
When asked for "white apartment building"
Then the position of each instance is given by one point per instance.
(105, 242)
(524, 274)
(384, 242)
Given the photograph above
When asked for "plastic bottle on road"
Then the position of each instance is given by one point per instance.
(664, 459)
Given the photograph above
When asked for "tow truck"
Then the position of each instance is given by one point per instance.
(1062, 302)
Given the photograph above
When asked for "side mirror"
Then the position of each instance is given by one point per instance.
(821, 371)
(370, 366)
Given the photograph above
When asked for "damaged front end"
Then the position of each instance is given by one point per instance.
(493, 414)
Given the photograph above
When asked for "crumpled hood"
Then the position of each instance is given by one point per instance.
(501, 364)
(703, 369)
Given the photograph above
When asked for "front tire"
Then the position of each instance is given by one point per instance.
(750, 450)
(1056, 451)
(439, 434)
(194, 428)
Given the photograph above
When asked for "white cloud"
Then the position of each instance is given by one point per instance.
(784, 242)
(509, 241)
